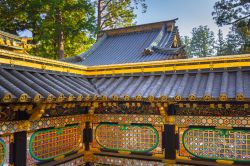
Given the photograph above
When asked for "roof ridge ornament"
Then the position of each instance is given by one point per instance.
(149, 49)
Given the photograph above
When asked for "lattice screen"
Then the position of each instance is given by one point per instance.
(48, 144)
(134, 138)
(218, 144)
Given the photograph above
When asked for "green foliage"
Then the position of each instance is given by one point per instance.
(63, 28)
(237, 14)
(117, 13)
(202, 42)
(231, 11)
(186, 41)
(55, 24)
(243, 31)
(220, 44)
(233, 43)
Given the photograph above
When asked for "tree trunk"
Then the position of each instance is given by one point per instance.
(34, 41)
(61, 45)
(99, 15)
(60, 35)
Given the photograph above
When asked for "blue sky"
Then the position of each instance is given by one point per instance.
(191, 13)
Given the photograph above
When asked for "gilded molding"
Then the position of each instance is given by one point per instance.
(7, 57)
(18, 126)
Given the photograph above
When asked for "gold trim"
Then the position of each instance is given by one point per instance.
(223, 127)
(23, 97)
(192, 97)
(170, 162)
(59, 158)
(223, 97)
(7, 98)
(124, 152)
(207, 97)
(225, 162)
(12, 58)
(239, 97)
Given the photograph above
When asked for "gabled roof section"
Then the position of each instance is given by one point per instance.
(141, 43)
(13, 42)
(23, 84)
(210, 85)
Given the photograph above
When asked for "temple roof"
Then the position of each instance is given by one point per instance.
(219, 85)
(224, 78)
(141, 43)
(14, 43)
(18, 84)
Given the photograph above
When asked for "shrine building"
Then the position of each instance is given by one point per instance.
(133, 98)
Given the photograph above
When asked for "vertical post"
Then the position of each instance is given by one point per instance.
(88, 154)
(170, 144)
(87, 136)
(20, 147)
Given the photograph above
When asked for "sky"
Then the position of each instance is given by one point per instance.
(190, 14)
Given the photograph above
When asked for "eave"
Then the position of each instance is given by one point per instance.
(210, 63)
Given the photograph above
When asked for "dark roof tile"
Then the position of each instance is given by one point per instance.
(130, 47)
(186, 86)
(25, 85)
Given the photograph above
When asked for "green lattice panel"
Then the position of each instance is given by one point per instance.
(2, 152)
(51, 143)
(133, 138)
(218, 144)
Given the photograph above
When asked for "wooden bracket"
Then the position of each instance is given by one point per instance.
(38, 111)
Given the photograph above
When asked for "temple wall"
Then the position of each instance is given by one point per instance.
(140, 134)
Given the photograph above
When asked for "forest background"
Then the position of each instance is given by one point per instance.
(63, 28)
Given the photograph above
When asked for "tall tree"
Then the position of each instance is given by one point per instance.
(55, 24)
(202, 42)
(242, 30)
(117, 13)
(220, 43)
(237, 14)
(186, 41)
(233, 42)
(231, 11)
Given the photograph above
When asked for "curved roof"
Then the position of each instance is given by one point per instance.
(185, 86)
(142, 43)
(31, 85)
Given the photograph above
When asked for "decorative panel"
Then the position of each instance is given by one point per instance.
(235, 121)
(232, 110)
(11, 126)
(108, 160)
(145, 108)
(182, 151)
(50, 143)
(132, 118)
(218, 144)
(75, 162)
(133, 138)
(4, 150)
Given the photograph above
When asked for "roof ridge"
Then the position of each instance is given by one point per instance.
(138, 28)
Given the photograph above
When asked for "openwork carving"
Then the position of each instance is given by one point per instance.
(206, 110)
(133, 138)
(217, 144)
(51, 143)
(122, 108)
